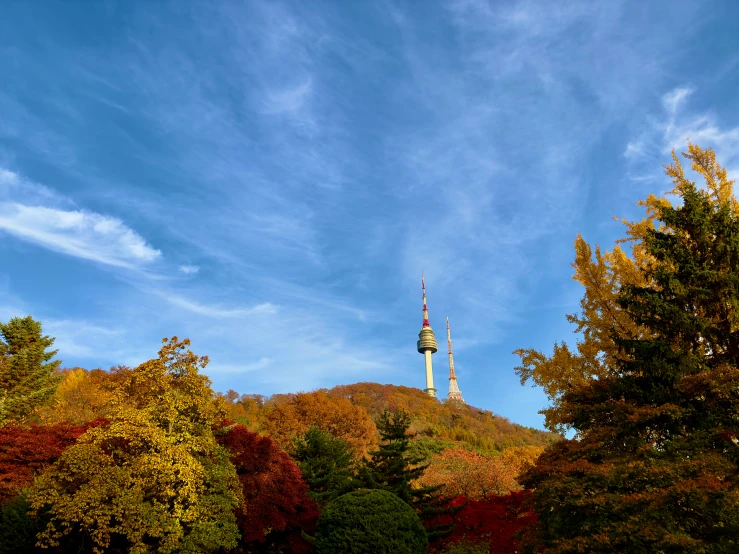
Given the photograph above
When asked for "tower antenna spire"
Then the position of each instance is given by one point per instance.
(427, 343)
(454, 392)
(425, 308)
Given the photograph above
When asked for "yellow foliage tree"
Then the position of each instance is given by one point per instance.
(520, 458)
(154, 479)
(602, 275)
(244, 409)
(81, 397)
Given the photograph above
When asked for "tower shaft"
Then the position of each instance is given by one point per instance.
(430, 390)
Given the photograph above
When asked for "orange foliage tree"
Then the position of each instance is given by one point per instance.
(285, 420)
(81, 396)
(468, 474)
(521, 458)
(245, 409)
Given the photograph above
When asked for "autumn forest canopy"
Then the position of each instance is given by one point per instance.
(642, 453)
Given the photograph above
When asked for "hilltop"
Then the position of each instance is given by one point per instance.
(444, 420)
(436, 424)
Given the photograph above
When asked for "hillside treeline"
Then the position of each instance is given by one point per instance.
(282, 415)
(150, 458)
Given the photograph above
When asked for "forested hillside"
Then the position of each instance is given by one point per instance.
(259, 470)
(436, 423)
(444, 420)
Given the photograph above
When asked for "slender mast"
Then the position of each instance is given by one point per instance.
(454, 392)
(425, 308)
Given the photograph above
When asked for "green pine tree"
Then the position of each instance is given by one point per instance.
(27, 377)
(393, 468)
(327, 463)
(655, 467)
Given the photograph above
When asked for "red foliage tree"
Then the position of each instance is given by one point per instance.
(26, 451)
(494, 522)
(276, 501)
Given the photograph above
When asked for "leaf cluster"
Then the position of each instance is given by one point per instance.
(292, 416)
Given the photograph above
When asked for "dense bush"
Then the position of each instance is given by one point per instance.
(17, 529)
(371, 522)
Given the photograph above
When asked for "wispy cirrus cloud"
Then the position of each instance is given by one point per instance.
(35, 213)
(239, 369)
(289, 99)
(78, 233)
(13, 187)
(673, 99)
(81, 339)
(216, 311)
(673, 128)
(189, 269)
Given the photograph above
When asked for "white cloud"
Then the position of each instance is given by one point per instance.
(705, 131)
(79, 233)
(635, 149)
(215, 311)
(80, 339)
(13, 187)
(262, 363)
(676, 127)
(189, 269)
(7, 312)
(673, 99)
(290, 99)
(8, 177)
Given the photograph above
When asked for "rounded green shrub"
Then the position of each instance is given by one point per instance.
(17, 529)
(371, 522)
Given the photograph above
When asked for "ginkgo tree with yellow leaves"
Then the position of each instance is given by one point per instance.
(654, 466)
(601, 319)
(153, 479)
(602, 275)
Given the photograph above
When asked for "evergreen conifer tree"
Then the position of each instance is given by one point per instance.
(27, 377)
(327, 463)
(655, 467)
(393, 468)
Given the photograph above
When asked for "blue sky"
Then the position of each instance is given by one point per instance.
(269, 179)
